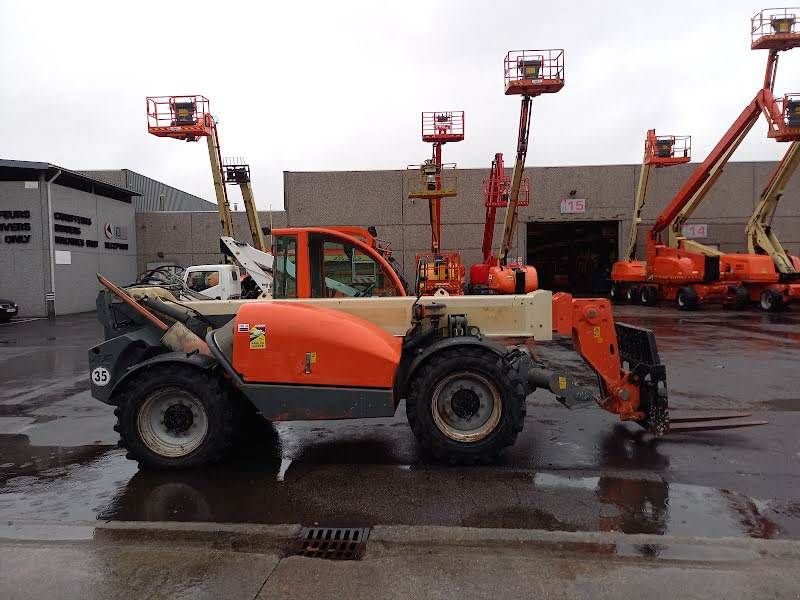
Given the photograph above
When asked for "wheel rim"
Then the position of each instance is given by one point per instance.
(466, 406)
(681, 300)
(766, 301)
(629, 294)
(172, 422)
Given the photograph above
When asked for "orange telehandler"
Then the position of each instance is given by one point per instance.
(185, 377)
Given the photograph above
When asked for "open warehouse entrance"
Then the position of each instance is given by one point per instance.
(573, 256)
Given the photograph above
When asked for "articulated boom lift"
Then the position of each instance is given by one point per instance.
(770, 275)
(659, 151)
(528, 73)
(188, 118)
(433, 180)
(685, 270)
(496, 192)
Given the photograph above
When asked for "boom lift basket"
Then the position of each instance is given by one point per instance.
(497, 197)
(181, 117)
(668, 150)
(775, 29)
(236, 170)
(784, 119)
(443, 126)
(429, 181)
(534, 72)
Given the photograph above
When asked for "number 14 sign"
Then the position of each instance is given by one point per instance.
(573, 206)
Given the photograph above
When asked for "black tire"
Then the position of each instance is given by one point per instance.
(687, 299)
(507, 385)
(741, 298)
(770, 301)
(201, 390)
(617, 294)
(648, 295)
(4, 318)
(631, 294)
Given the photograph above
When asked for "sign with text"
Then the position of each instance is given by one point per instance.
(695, 231)
(571, 206)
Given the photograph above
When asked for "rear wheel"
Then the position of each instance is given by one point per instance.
(175, 417)
(741, 298)
(687, 299)
(467, 404)
(770, 301)
(631, 293)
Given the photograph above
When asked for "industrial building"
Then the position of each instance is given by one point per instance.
(573, 230)
(60, 227)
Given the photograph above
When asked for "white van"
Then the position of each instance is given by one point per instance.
(218, 282)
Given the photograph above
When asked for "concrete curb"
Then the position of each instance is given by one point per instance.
(386, 540)
(391, 539)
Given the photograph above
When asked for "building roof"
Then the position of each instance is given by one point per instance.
(22, 170)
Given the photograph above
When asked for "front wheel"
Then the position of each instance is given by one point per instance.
(770, 301)
(687, 299)
(175, 417)
(467, 404)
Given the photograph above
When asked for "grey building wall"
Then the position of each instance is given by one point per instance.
(155, 195)
(380, 198)
(189, 238)
(25, 267)
(22, 265)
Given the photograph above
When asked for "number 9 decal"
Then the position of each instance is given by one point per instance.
(100, 376)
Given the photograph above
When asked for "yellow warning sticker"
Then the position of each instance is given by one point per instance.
(258, 337)
(562, 382)
(597, 334)
(313, 357)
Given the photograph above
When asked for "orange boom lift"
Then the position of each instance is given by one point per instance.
(433, 180)
(686, 271)
(528, 73)
(659, 151)
(496, 192)
(188, 118)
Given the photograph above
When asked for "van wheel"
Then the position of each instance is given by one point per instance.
(467, 404)
(174, 417)
(687, 299)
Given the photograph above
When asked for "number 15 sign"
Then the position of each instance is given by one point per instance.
(573, 206)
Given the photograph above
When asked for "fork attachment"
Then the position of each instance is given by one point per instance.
(639, 356)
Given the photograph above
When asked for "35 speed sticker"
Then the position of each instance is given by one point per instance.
(100, 376)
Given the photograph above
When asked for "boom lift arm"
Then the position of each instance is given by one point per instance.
(760, 237)
(237, 171)
(512, 210)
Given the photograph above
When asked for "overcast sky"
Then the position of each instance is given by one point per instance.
(338, 85)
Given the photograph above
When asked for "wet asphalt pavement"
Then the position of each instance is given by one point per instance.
(576, 470)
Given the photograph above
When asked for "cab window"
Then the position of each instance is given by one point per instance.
(198, 281)
(284, 270)
(340, 270)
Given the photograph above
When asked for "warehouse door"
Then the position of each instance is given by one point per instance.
(573, 256)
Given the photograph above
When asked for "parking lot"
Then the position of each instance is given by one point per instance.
(573, 470)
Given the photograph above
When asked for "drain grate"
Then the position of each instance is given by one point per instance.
(333, 543)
